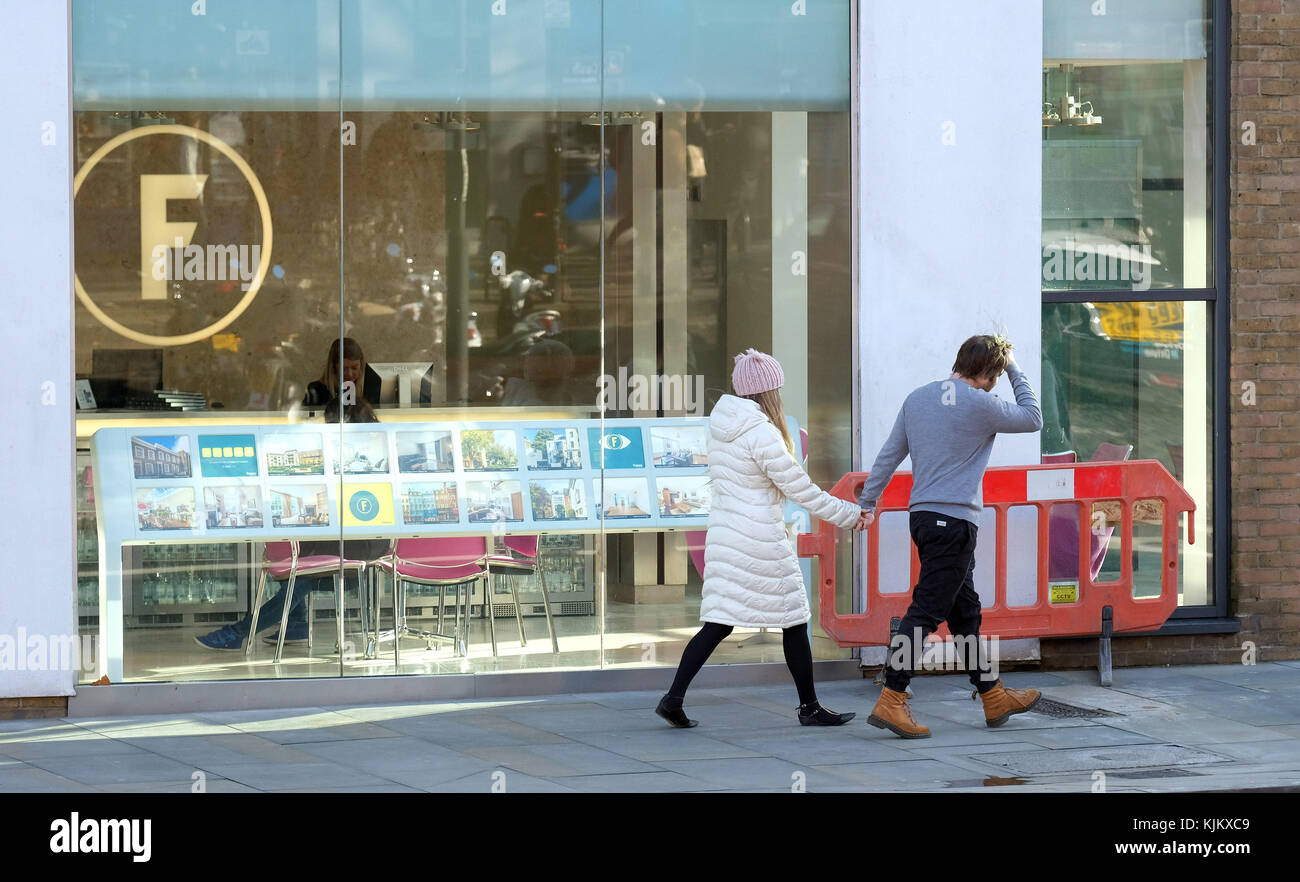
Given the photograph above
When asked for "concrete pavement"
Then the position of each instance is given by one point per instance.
(1210, 727)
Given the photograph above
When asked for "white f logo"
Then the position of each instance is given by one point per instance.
(157, 234)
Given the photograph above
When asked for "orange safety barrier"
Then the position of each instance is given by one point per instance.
(1097, 609)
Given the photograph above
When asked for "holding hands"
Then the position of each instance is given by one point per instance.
(866, 519)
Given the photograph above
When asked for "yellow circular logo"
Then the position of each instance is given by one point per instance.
(263, 206)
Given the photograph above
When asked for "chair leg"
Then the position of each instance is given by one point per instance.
(340, 607)
(363, 603)
(464, 633)
(369, 628)
(311, 617)
(257, 608)
(457, 602)
(284, 615)
(511, 579)
(399, 619)
(442, 606)
(546, 602)
(487, 608)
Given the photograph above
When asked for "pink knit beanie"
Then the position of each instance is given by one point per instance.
(756, 372)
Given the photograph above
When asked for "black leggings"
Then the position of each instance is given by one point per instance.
(798, 657)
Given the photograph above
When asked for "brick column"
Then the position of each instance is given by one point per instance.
(1265, 335)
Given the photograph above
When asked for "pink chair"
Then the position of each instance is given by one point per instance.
(439, 562)
(1063, 527)
(281, 562)
(520, 557)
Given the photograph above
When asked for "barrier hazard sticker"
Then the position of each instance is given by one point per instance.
(1064, 592)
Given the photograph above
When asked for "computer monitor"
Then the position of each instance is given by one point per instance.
(401, 383)
(119, 374)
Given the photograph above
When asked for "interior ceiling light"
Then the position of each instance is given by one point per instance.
(617, 118)
(447, 121)
(1068, 110)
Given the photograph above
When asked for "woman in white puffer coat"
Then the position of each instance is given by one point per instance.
(751, 573)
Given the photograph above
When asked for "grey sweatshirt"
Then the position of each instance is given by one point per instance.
(948, 428)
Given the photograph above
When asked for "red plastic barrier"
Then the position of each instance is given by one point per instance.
(1004, 488)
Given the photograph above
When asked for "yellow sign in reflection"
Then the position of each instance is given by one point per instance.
(1145, 322)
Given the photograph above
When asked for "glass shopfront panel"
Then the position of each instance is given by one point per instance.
(1128, 220)
(1126, 170)
(1127, 381)
(207, 262)
(507, 227)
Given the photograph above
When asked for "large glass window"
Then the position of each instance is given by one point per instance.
(475, 228)
(1127, 249)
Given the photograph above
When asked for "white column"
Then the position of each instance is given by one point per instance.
(790, 258)
(950, 189)
(37, 537)
(951, 198)
(1196, 344)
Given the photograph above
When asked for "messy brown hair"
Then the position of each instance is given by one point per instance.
(984, 355)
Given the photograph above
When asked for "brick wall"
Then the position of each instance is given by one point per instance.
(33, 708)
(1264, 579)
(1265, 334)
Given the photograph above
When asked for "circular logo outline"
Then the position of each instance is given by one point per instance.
(264, 208)
(363, 497)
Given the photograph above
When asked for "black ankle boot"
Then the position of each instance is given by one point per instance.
(816, 715)
(670, 708)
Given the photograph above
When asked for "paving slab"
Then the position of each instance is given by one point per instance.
(1272, 751)
(296, 776)
(1102, 758)
(638, 782)
(67, 748)
(561, 760)
(500, 781)
(109, 770)
(663, 744)
(30, 779)
(826, 747)
(228, 749)
(765, 772)
(467, 729)
(918, 774)
(1084, 736)
(394, 756)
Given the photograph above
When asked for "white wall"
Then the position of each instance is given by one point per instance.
(950, 233)
(37, 541)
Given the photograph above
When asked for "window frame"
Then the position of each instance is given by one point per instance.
(1217, 293)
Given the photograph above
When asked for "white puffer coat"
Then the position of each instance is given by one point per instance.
(751, 572)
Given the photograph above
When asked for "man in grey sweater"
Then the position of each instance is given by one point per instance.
(948, 428)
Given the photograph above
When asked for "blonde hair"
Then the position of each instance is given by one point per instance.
(770, 403)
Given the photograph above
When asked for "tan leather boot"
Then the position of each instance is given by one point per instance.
(1001, 703)
(891, 712)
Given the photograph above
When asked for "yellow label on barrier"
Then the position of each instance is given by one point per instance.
(1064, 592)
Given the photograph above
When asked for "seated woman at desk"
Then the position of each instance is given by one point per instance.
(323, 390)
(232, 637)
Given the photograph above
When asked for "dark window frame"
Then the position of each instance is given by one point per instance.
(1217, 293)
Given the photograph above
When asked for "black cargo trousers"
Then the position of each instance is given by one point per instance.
(944, 592)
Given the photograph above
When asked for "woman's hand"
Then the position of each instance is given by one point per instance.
(866, 519)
